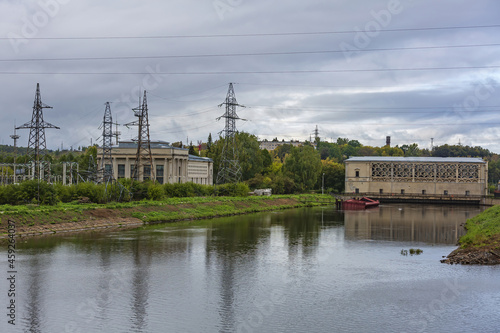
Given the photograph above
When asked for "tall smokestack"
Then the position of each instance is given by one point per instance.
(388, 141)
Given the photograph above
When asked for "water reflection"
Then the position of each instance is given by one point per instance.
(140, 284)
(218, 275)
(33, 308)
(432, 224)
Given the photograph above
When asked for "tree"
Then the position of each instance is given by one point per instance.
(267, 159)
(334, 175)
(209, 141)
(249, 154)
(411, 150)
(282, 151)
(304, 166)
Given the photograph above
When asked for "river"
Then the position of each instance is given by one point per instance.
(299, 270)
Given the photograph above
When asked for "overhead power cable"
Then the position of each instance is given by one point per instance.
(244, 54)
(256, 34)
(256, 72)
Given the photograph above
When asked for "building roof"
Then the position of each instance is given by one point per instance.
(415, 159)
(199, 158)
(153, 145)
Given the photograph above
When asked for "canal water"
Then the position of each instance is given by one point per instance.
(300, 270)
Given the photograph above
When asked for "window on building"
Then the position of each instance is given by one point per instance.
(147, 172)
(179, 174)
(402, 191)
(108, 168)
(380, 191)
(445, 192)
(467, 193)
(132, 169)
(159, 173)
(424, 192)
(357, 173)
(121, 170)
(357, 191)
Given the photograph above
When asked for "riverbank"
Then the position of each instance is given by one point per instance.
(481, 244)
(31, 220)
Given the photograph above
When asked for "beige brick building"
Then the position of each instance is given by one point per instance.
(170, 164)
(416, 175)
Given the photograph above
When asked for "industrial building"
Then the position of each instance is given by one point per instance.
(170, 164)
(444, 176)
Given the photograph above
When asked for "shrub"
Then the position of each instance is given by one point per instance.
(155, 192)
(66, 193)
(232, 190)
(34, 191)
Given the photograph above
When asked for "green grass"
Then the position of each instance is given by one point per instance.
(185, 208)
(483, 229)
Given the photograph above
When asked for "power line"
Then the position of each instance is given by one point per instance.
(409, 123)
(245, 54)
(435, 109)
(257, 72)
(254, 34)
(367, 86)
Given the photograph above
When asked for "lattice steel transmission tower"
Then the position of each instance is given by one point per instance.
(229, 167)
(144, 159)
(37, 145)
(316, 134)
(106, 167)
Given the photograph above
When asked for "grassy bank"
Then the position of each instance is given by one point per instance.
(483, 229)
(31, 219)
(481, 244)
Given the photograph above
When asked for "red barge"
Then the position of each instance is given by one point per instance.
(362, 203)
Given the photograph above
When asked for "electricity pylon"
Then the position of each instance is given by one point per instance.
(229, 167)
(106, 167)
(37, 145)
(144, 159)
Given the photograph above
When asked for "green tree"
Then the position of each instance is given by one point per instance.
(304, 166)
(249, 155)
(209, 141)
(282, 151)
(267, 159)
(334, 175)
(411, 150)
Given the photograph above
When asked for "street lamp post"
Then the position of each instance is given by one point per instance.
(322, 184)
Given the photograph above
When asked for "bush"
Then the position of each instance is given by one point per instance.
(139, 190)
(66, 193)
(155, 192)
(34, 191)
(232, 190)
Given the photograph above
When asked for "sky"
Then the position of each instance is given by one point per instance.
(418, 71)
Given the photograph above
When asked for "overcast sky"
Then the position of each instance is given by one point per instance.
(365, 69)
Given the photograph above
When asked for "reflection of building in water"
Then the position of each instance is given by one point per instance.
(414, 223)
(416, 175)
